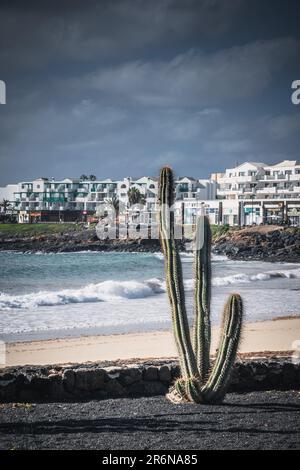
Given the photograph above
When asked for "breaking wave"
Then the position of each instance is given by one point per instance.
(113, 290)
(101, 292)
(188, 257)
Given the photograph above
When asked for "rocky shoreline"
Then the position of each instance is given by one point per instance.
(147, 378)
(260, 243)
(74, 241)
(270, 243)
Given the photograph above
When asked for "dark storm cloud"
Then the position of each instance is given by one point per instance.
(196, 78)
(35, 34)
(121, 87)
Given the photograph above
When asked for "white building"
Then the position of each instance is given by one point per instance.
(148, 188)
(263, 193)
(191, 188)
(251, 193)
(219, 211)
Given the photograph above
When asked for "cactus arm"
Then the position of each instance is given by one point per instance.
(215, 388)
(174, 277)
(202, 268)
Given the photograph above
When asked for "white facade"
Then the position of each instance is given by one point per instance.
(148, 187)
(199, 189)
(251, 193)
(261, 181)
(45, 194)
(219, 212)
(265, 193)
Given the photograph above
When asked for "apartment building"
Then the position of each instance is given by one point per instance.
(148, 188)
(263, 193)
(250, 193)
(199, 189)
(71, 199)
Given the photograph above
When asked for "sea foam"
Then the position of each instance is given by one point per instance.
(100, 292)
(113, 290)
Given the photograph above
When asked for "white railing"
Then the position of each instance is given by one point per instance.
(267, 190)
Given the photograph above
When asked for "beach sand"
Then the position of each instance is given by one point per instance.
(277, 336)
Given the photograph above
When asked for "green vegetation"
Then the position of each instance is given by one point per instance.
(198, 383)
(38, 229)
(216, 230)
(136, 197)
(219, 230)
(88, 178)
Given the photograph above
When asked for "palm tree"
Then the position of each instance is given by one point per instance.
(135, 197)
(92, 178)
(84, 177)
(6, 205)
(116, 204)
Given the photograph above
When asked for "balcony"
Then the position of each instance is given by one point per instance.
(102, 190)
(227, 192)
(281, 177)
(267, 191)
(54, 199)
(238, 179)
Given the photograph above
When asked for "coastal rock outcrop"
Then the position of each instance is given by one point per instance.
(74, 241)
(266, 243)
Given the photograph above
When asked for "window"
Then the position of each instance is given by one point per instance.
(123, 186)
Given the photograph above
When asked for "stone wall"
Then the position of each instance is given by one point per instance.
(57, 383)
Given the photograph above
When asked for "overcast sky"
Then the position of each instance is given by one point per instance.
(118, 88)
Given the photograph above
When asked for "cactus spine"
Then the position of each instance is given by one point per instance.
(198, 383)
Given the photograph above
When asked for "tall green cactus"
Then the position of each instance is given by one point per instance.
(199, 383)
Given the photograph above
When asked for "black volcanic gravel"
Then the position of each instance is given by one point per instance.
(258, 420)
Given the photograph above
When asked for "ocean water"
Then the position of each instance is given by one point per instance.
(46, 296)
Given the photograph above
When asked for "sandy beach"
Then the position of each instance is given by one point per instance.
(277, 335)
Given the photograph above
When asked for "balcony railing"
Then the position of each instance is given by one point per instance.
(55, 199)
(267, 190)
